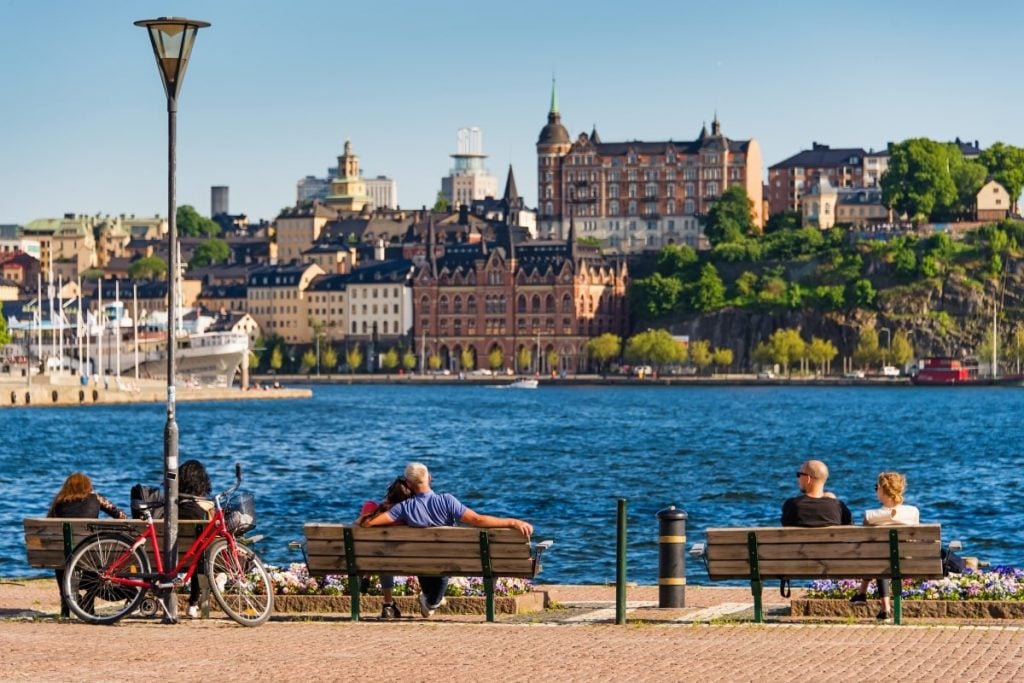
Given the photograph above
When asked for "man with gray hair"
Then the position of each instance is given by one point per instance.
(428, 509)
(814, 507)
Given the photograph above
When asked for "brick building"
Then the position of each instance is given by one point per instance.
(792, 177)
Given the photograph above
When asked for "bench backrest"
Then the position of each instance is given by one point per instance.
(437, 551)
(827, 552)
(48, 541)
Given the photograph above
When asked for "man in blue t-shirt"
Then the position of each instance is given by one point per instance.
(427, 509)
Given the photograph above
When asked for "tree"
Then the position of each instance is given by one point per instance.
(276, 359)
(552, 359)
(329, 358)
(409, 361)
(784, 220)
(604, 349)
(968, 177)
(860, 294)
(709, 290)
(354, 358)
(820, 353)
(389, 361)
(5, 332)
(254, 360)
(466, 359)
(676, 259)
(730, 218)
(786, 346)
(213, 250)
(148, 268)
(700, 354)
(656, 347)
(1005, 163)
(525, 359)
(901, 351)
(867, 352)
(918, 182)
(656, 295)
(434, 362)
(441, 203)
(308, 361)
(191, 224)
(495, 358)
(722, 358)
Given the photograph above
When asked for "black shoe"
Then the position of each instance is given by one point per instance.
(390, 611)
(883, 616)
(859, 599)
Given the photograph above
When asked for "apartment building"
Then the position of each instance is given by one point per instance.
(792, 177)
(276, 300)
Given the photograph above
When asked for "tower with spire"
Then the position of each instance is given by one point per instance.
(348, 190)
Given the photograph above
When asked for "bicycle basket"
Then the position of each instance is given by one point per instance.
(240, 513)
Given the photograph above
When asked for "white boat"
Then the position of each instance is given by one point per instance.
(523, 383)
(206, 358)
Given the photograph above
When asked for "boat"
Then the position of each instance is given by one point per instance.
(523, 383)
(947, 371)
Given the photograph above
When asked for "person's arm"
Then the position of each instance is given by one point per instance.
(383, 519)
(789, 513)
(847, 516)
(110, 508)
(489, 522)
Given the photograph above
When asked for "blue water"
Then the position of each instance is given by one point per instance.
(559, 457)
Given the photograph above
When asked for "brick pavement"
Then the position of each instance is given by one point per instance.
(545, 647)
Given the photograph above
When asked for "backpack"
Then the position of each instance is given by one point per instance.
(952, 563)
(146, 494)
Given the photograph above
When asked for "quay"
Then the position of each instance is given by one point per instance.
(575, 639)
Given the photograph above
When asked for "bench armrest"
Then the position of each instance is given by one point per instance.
(697, 550)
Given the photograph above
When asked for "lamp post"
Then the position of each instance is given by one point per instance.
(888, 344)
(172, 39)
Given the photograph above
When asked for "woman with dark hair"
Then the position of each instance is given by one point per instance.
(76, 499)
(397, 492)
(193, 483)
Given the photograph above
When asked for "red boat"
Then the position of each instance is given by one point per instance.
(946, 371)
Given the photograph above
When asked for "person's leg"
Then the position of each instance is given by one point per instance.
(432, 588)
(387, 587)
(883, 592)
(65, 611)
(861, 597)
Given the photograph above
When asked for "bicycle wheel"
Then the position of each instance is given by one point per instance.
(239, 583)
(87, 588)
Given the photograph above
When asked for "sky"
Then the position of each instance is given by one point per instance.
(274, 89)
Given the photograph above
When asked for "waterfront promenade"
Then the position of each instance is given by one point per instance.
(576, 641)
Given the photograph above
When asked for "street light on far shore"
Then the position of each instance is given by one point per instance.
(172, 39)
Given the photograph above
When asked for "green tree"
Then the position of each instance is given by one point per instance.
(1005, 163)
(867, 353)
(905, 262)
(434, 362)
(675, 260)
(213, 250)
(700, 354)
(746, 286)
(968, 177)
(148, 268)
(276, 359)
(354, 358)
(308, 361)
(495, 359)
(466, 360)
(820, 353)
(409, 361)
(901, 351)
(709, 290)
(656, 347)
(441, 203)
(604, 349)
(860, 294)
(525, 359)
(329, 358)
(656, 295)
(254, 360)
(918, 182)
(722, 358)
(786, 347)
(552, 359)
(389, 361)
(191, 224)
(785, 220)
(730, 218)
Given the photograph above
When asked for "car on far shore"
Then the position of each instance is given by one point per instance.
(855, 374)
(890, 371)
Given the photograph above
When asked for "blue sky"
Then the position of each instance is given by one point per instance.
(274, 88)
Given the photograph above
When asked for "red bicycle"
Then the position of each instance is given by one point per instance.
(109, 574)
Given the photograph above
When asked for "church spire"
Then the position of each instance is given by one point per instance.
(554, 97)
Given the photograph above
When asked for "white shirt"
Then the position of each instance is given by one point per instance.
(901, 514)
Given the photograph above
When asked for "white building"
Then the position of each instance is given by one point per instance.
(469, 179)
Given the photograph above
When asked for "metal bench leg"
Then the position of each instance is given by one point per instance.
(897, 577)
(353, 572)
(755, 576)
(755, 588)
(489, 589)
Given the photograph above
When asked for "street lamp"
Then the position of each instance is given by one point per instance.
(172, 39)
(888, 344)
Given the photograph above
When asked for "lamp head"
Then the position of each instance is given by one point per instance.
(172, 39)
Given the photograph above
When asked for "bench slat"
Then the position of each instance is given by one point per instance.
(423, 549)
(843, 534)
(782, 551)
(813, 569)
(44, 537)
(441, 534)
(335, 564)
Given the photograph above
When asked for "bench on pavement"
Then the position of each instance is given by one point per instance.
(834, 552)
(49, 541)
(435, 551)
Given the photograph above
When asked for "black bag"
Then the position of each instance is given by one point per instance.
(952, 563)
(146, 494)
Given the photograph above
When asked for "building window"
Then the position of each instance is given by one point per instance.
(613, 207)
(632, 208)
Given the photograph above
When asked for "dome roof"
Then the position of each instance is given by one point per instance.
(554, 133)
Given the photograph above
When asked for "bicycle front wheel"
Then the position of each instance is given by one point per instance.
(240, 583)
(88, 585)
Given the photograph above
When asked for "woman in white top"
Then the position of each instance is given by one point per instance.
(890, 489)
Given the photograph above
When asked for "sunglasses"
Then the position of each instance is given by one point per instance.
(803, 474)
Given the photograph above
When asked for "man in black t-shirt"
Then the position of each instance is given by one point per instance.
(814, 507)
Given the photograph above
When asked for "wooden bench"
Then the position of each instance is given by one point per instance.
(49, 542)
(835, 552)
(436, 551)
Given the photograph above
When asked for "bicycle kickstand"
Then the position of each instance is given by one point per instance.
(163, 595)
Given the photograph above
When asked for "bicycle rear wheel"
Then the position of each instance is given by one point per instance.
(87, 586)
(239, 583)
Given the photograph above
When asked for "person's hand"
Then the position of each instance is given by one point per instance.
(525, 528)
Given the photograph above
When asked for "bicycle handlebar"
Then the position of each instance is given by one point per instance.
(238, 482)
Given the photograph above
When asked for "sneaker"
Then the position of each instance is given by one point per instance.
(193, 611)
(425, 606)
(859, 599)
(883, 616)
(390, 611)
(444, 601)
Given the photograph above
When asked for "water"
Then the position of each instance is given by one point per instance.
(558, 457)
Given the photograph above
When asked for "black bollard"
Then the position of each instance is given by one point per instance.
(620, 563)
(671, 557)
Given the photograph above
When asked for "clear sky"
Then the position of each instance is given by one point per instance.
(275, 88)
